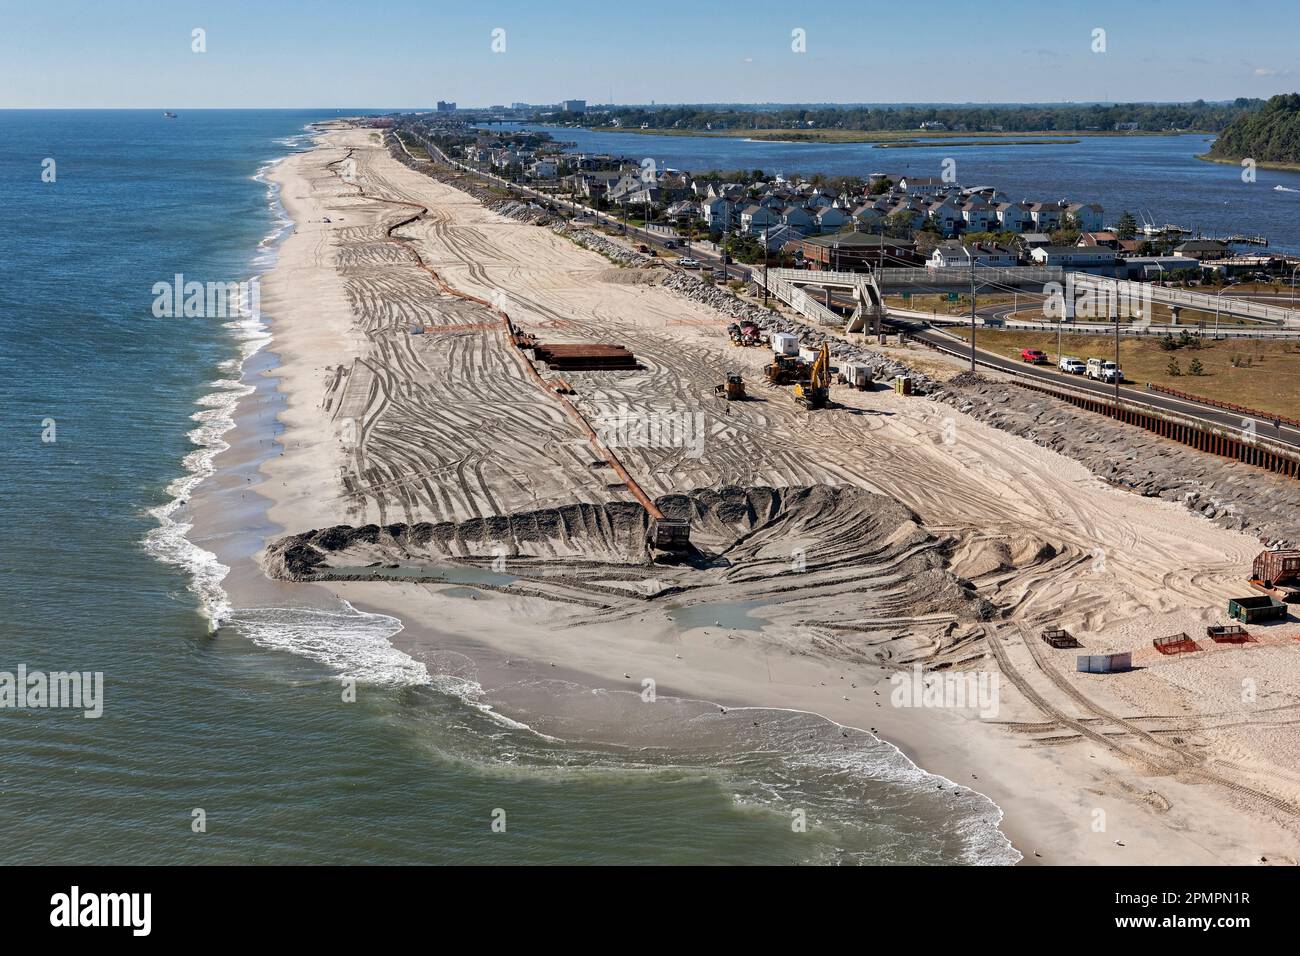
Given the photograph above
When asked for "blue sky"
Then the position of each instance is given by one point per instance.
(391, 53)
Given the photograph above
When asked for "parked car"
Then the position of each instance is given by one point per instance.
(1104, 370)
(689, 263)
(643, 249)
(670, 244)
(1036, 356)
(1072, 365)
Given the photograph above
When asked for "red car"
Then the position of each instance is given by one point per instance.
(1037, 356)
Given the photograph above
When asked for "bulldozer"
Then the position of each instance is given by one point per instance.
(785, 370)
(816, 392)
(733, 389)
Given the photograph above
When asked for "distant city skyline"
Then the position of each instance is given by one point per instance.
(147, 54)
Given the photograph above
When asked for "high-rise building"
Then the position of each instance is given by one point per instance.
(444, 107)
(574, 106)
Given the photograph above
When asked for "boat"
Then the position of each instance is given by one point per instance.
(169, 115)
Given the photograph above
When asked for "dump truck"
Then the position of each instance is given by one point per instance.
(1251, 610)
(1273, 568)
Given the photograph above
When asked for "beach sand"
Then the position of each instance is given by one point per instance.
(380, 426)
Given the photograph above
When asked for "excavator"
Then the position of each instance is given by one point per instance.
(816, 392)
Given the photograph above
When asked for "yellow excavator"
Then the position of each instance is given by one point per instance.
(817, 392)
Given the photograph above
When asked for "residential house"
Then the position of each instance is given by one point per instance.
(1077, 258)
(955, 254)
(857, 252)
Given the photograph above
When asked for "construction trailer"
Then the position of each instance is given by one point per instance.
(1249, 610)
(857, 375)
(1272, 568)
(1104, 663)
(1059, 637)
(783, 343)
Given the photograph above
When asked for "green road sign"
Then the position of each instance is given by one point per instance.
(953, 296)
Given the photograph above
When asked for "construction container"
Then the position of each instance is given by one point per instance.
(857, 375)
(1272, 568)
(1249, 610)
(783, 343)
(1176, 644)
(1228, 634)
(1059, 637)
(903, 384)
(1103, 663)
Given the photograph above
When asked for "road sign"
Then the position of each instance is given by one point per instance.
(953, 296)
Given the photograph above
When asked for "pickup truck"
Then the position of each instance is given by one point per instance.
(1036, 356)
(1072, 365)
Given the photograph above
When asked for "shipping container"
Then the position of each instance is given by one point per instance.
(856, 375)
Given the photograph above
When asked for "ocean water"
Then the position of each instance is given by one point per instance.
(245, 723)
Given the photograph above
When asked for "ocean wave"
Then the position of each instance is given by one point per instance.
(169, 542)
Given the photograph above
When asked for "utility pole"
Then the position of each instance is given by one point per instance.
(972, 309)
(1115, 308)
(765, 265)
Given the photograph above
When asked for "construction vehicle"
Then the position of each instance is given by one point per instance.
(816, 393)
(786, 370)
(733, 389)
(746, 334)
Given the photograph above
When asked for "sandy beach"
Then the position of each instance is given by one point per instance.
(824, 595)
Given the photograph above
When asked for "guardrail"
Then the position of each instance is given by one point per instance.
(1103, 328)
(1219, 304)
(1221, 440)
(1226, 406)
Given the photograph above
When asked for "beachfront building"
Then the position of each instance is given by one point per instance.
(1076, 258)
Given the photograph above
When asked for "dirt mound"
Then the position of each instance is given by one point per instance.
(794, 542)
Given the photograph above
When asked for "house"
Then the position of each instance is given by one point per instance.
(543, 169)
(1045, 216)
(955, 254)
(719, 214)
(797, 217)
(948, 214)
(830, 219)
(1078, 258)
(683, 211)
(1089, 215)
(754, 218)
(857, 252)
(1151, 268)
(924, 185)
(1201, 249)
(1033, 240)
(978, 215)
(1013, 216)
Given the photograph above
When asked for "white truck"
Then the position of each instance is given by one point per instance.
(1104, 370)
(1072, 365)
